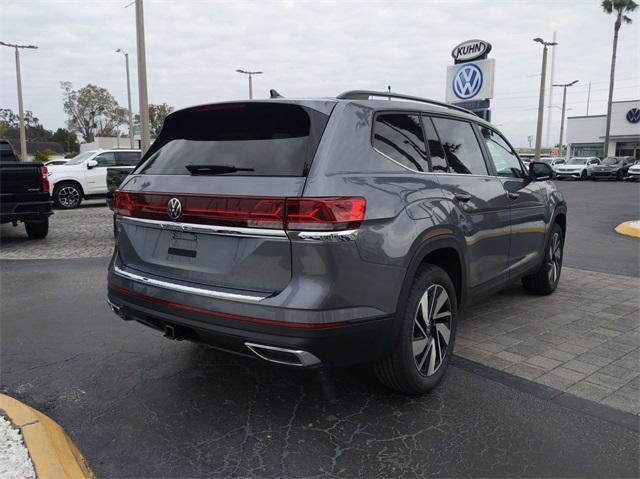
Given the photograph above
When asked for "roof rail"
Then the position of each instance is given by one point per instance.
(365, 94)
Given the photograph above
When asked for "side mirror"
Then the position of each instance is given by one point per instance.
(539, 171)
(91, 164)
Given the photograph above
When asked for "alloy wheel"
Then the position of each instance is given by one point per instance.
(432, 330)
(69, 196)
(555, 258)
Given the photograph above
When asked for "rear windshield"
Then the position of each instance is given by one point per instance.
(240, 139)
(6, 153)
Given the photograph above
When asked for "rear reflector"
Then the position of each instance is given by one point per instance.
(300, 214)
(44, 173)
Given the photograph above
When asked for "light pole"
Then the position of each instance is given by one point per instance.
(23, 136)
(126, 59)
(142, 79)
(543, 78)
(564, 104)
(250, 83)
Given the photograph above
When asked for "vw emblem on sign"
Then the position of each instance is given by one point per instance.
(633, 115)
(174, 208)
(467, 82)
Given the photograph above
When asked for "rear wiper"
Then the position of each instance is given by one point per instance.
(214, 169)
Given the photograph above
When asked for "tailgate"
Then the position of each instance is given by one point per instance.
(203, 207)
(256, 259)
(20, 178)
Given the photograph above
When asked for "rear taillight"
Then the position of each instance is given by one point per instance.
(298, 214)
(44, 178)
(324, 214)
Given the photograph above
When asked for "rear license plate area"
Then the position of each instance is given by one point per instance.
(183, 244)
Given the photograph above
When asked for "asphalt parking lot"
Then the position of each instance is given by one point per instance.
(139, 405)
(594, 210)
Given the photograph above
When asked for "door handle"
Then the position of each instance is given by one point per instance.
(462, 197)
(513, 196)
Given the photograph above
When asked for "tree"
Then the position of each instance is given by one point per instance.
(10, 126)
(92, 111)
(157, 114)
(67, 139)
(619, 8)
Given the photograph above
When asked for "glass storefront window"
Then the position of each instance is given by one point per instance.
(596, 149)
(628, 148)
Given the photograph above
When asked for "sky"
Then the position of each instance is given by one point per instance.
(316, 49)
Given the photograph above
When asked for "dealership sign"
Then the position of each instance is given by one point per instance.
(470, 81)
(633, 115)
(470, 50)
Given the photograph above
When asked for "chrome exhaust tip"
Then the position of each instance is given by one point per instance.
(116, 309)
(290, 357)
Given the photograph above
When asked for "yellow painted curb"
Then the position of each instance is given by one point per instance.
(52, 452)
(629, 228)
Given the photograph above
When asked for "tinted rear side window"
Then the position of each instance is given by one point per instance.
(128, 158)
(399, 136)
(461, 147)
(438, 159)
(258, 139)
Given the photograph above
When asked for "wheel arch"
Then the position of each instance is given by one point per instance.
(444, 251)
(75, 182)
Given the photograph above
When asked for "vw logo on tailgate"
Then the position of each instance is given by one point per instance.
(467, 81)
(174, 208)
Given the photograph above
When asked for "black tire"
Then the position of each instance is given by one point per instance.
(545, 280)
(583, 175)
(619, 176)
(400, 370)
(67, 195)
(37, 229)
(593, 178)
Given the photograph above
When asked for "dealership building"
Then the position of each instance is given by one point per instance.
(585, 134)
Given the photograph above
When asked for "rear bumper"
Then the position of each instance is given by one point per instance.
(228, 320)
(604, 175)
(25, 211)
(333, 344)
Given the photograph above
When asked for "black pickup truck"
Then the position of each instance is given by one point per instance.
(24, 193)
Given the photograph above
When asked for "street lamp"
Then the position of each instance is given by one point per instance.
(126, 59)
(541, 100)
(564, 103)
(250, 83)
(23, 137)
(142, 78)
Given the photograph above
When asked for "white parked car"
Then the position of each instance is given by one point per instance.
(85, 176)
(633, 173)
(578, 168)
(553, 162)
(56, 162)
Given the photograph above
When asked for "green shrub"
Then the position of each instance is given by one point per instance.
(43, 155)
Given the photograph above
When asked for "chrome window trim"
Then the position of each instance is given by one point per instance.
(324, 236)
(186, 289)
(432, 172)
(208, 229)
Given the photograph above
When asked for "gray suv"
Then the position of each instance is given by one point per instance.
(327, 232)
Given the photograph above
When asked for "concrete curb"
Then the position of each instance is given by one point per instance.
(629, 228)
(52, 452)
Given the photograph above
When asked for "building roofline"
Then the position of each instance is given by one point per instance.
(586, 116)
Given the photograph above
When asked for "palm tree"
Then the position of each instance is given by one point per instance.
(620, 8)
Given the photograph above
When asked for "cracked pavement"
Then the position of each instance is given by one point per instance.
(138, 405)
